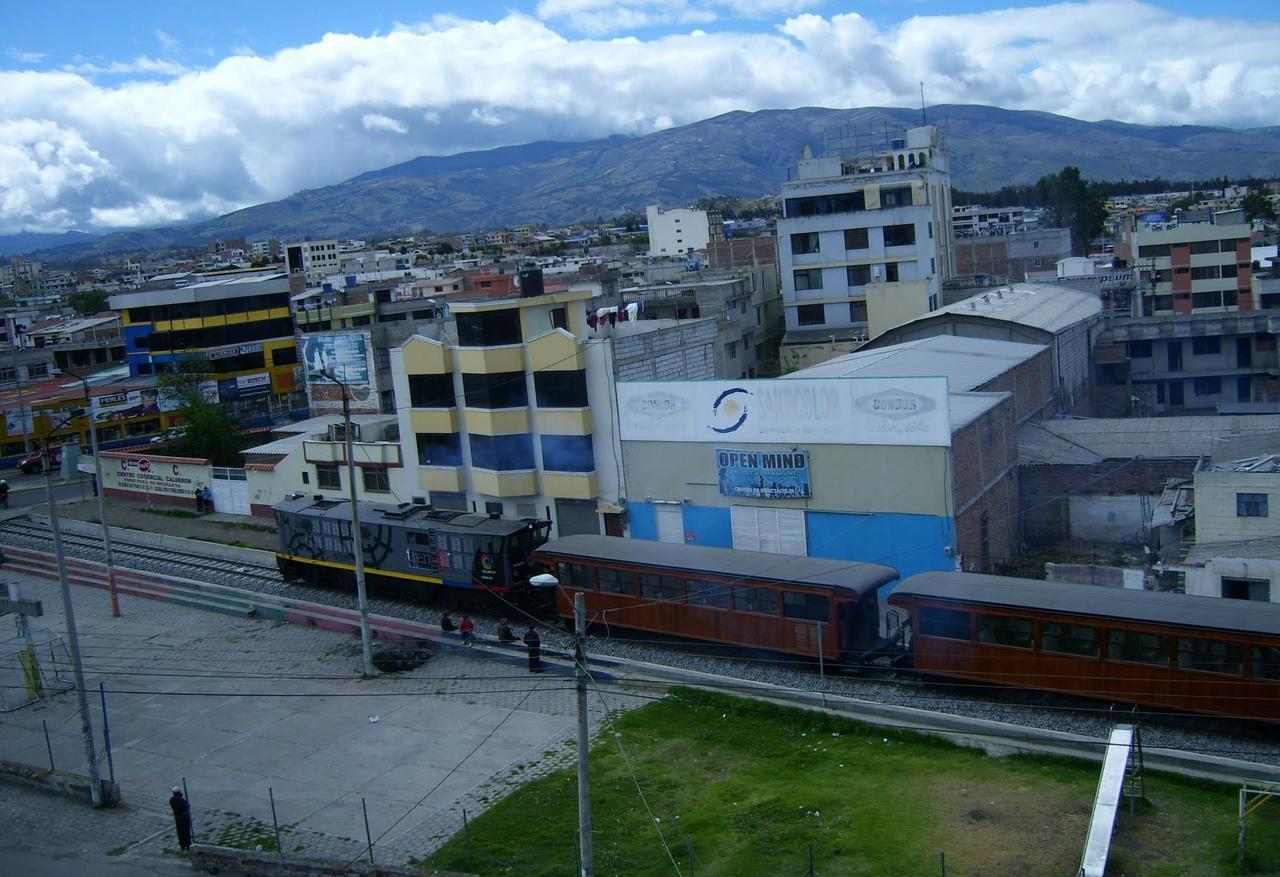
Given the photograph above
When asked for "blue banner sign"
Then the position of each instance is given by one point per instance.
(763, 474)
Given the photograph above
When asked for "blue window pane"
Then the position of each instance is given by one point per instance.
(568, 453)
(502, 452)
(439, 449)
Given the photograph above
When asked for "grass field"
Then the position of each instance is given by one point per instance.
(749, 788)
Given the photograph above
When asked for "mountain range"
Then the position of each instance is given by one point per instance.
(738, 154)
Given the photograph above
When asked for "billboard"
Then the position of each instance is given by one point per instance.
(347, 356)
(141, 474)
(131, 403)
(835, 411)
(763, 474)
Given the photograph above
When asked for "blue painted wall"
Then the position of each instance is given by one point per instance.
(642, 520)
(709, 525)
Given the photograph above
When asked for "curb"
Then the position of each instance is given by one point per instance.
(68, 785)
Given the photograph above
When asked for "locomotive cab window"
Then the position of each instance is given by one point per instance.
(946, 623)
(700, 592)
(577, 575)
(1266, 662)
(1210, 656)
(762, 600)
(1069, 639)
(1002, 630)
(1138, 647)
(811, 607)
(617, 581)
(659, 587)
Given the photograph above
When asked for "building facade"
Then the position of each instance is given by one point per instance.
(677, 232)
(1190, 267)
(1013, 254)
(851, 223)
(313, 260)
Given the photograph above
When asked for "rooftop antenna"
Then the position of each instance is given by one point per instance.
(923, 119)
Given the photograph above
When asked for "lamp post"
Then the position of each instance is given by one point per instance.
(357, 543)
(588, 869)
(100, 490)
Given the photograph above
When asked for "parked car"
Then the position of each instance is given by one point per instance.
(172, 434)
(34, 462)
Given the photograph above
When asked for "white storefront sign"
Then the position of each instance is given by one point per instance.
(154, 477)
(843, 411)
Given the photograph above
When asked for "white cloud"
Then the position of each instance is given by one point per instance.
(379, 122)
(25, 57)
(598, 17)
(174, 143)
(170, 45)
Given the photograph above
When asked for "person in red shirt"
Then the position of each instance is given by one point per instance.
(466, 627)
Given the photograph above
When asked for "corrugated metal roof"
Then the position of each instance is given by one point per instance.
(968, 407)
(861, 577)
(1090, 440)
(1040, 305)
(1094, 601)
(967, 363)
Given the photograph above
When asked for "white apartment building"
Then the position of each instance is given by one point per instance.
(677, 232)
(315, 260)
(862, 234)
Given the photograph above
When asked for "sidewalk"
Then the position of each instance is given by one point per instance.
(238, 707)
(241, 530)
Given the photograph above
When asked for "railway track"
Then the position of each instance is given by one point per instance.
(251, 588)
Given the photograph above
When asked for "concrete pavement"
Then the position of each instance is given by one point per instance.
(237, 707)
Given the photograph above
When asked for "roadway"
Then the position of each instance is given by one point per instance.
(29, 490)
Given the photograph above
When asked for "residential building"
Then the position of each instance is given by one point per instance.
(312, 260)
(1189, 267)
(680, 231)
(975, 220)
(1014, 254)
(862, 232)
(80, 344)
(241, 325)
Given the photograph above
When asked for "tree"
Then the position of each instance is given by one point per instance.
(1258, 206)
(211, 431)
(88, 302)
(1072, 204)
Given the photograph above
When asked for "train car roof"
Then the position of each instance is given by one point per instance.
(1094, 601)
(414, 517)
(847, 575)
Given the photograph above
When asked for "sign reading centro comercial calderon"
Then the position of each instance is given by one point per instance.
(838, 411)
(145, 475)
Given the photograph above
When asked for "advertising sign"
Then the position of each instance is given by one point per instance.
(234, 350)
(839, 411)
(348, 357)
(131, 403)
(18, 421)
(763, 474)
(141, 474)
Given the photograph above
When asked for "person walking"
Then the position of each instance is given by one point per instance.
(467, 628)
(534, 644)
(181, 817)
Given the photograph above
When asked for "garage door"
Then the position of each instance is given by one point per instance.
(230, 491)
(779, 531)
(575, 516)
(670, 520)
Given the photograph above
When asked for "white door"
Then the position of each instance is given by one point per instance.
(778, 531)
(230, 491)
(670, 522)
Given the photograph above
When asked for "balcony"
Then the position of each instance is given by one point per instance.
(569, 485)
(365, 453)
(523, 483)
(490, 360)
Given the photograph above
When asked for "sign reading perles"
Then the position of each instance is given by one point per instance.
(763, 474)
(836, 411)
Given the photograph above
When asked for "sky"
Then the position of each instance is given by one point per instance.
(141, 113)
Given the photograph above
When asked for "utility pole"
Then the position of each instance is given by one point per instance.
(73, 642)
(100, 489)
(357, 543)
(584, 738)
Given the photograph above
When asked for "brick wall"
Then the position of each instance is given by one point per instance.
(1032, 386)
(985, 486)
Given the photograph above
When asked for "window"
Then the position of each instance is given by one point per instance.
(899, 235)
(567, 453)
(1210, 386)
(1153, 250)
(762, 600)
(1206, 346)
(1139, 349)
(502, 453)
(700, 592)
(822, 205)
(1002, 630)
(1201, 247)
(1251, 505)
(431, 391)
(1210, 656)
(577, 575)
(488, 328)
(660, 587)
(805, 242)
(947, 623)
(497, 390)
(1230, 271)
(1069, 639)
(899, 196)
(1207, 299)
(810, 279)
(891, 272)
(811, 315)
(1266, 662)
(617, 581)
(857, 311)
(1246, 589)
(856, 239)
(859, 275)
(731, 350)
(810, 607)
(1137, 646)
(439, 449)
(376, 480)
(327, 478)
(1205, 272)
(560, 389)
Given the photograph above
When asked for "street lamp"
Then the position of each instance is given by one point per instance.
(357, 543)
(546, 580)
(100, 490)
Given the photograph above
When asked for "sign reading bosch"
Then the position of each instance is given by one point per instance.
(763, 474)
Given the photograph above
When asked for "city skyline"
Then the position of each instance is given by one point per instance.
(151, 116)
